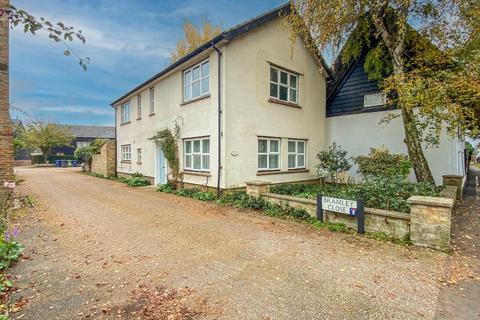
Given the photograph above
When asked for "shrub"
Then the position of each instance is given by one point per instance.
(389, 193)
(167, 188)
(381, 163)
(333, 162)
(10, 249)
(137, 182)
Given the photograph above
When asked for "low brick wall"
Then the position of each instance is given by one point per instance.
(104, 162)
(428, 224)
(393, 224)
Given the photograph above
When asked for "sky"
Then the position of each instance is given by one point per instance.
(127, 41)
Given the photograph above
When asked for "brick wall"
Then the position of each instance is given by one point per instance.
(104, 162)
(6, 128)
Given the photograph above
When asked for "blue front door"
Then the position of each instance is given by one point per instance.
(161, 177)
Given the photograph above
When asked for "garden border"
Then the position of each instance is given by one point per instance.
(428, 223)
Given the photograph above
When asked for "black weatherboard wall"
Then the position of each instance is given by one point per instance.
(347, 92)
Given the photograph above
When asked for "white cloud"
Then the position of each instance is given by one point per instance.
(79, 109)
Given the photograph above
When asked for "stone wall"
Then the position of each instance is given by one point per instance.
(104, 162)
(428, 224)
(6, 128)
(393, 224)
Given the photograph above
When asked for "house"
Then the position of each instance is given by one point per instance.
(246, 109)
(83, 135)
(356, 107)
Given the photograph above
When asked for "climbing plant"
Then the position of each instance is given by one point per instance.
(167, 140)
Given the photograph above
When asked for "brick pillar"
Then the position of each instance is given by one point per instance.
(110, 157)
(430, 221)
(6, 128)
(256, 188)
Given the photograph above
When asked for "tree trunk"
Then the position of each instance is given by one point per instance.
(412, 136)
(6, 129)
(395, 43)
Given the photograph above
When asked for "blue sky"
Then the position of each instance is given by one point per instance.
(127, 41)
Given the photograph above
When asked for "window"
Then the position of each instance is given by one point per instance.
(152, 100)
(268, 154)
(374, 100)
(296, 154)
(81, 144)
(139, 155)
(283, 85)
(139, 106)
(125, 116)
(196, 81)
(126, 152)
(197, 154)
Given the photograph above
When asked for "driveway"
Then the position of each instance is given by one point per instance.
(95, 247)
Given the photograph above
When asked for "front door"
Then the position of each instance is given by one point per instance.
(161, 175)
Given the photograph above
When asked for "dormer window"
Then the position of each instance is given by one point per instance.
(374, 100)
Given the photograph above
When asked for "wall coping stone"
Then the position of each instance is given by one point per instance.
(290, 198)
(257, 183)
(388, 213)
(432, 201)
(449, 192)
(452, 176)
(374, 211)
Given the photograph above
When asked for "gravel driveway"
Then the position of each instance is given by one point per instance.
(93, 245)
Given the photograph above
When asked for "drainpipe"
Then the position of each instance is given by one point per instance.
(115, 157)
(219, 120)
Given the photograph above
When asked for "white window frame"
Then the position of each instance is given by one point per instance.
(126, 152)
(152, 100)
(139, 106)
(380, 95)
(188, 87)
(288, 85)
(297, 154)
(139, 155)
(125, 113)
(204, 165)
(81, 144)
(268, 153)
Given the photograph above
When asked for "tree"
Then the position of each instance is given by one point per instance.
(194, 38)
(412, 86)
(10, 16)
(45, 136)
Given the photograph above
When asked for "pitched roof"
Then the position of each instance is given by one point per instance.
(81, 131)
(227, 35)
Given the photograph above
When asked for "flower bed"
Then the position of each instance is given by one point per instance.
(387, 194)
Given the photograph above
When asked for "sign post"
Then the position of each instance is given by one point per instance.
(350, 207)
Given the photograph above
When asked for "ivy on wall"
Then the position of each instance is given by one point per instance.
(167, 140)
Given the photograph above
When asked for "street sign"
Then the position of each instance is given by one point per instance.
(349, 207)
(339, 205)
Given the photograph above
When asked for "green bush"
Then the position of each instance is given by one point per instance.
(333, 162)
(381, 163)
(137, 182)
(389, 193)
(10, 251)
(167, 188)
